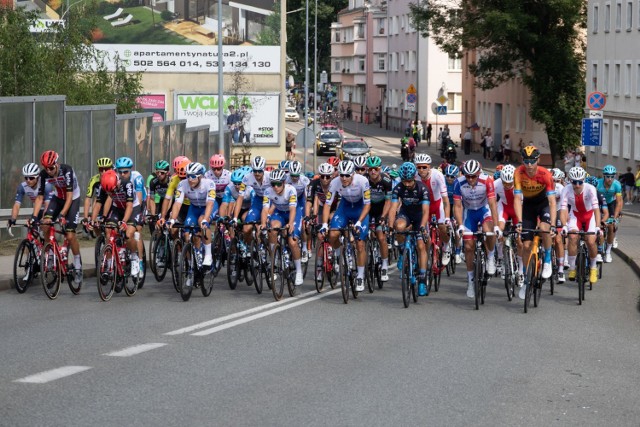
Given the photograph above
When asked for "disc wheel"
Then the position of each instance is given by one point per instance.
(344, 276)
(370, 270)
(24, 266)
(580, 274)
(49, 271)
(187, 272)
(529, 282)
(430, 273)
(478, 274)
(100, 241)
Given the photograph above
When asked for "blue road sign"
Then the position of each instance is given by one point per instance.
(441, 110)
(592, 132)
(411, 98)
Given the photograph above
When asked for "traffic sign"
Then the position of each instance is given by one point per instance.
(442, 99)
(596, 114)
(411, 98)
(592, 132)
(596, 100)
(441, 110)
(411, 107)
(412, 89)
(300, 138)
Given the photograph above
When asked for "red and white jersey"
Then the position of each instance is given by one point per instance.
(436, 185)
(582, 203)
(476, 196)
(559, 188)
(505, 196)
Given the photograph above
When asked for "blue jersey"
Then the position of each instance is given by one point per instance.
(231, 194)
(610, 193)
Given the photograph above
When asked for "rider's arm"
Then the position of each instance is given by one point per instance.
(517, 199)
(127, 212)
(239, 200)
(619, 203)
(552, 208)
(366, 197)
(457, 210)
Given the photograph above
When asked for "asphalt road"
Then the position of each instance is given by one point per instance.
(237, 358)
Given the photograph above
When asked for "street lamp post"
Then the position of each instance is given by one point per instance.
(306, 83)
(315, 78)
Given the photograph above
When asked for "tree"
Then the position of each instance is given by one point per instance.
(270, 35)
(536, 41)
(61, 61)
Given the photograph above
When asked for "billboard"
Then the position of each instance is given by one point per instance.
(155, 104)
(249, 117)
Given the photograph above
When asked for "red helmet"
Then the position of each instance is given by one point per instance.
(269, 168)
(333, 161)
(109, 181)
(182, 168)
(499, 167)
(216, 161)
(49, 158)
(176, 162)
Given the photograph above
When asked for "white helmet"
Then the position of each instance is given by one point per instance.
(277, 175)
(258, 163)
(360, 162)
(295, 168)
(422, 159)
(558, 174)
(346, 167)
(576, 173)
(326, 169)
(195, 168)
(507, 173)
(471, 167)
(30, 169)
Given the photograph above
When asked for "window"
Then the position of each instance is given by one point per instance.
(507, 117)
(412, 60)
(636, 136)
(626, 140)
(615, 139)
(455, 63)
(380, 62)
(607, 18)
(402, 19)
(361, 65)
(402, 59)
(638, 80)
(605, 137)
(595, 18)
(337, 36)
(605, 86)
(594, 77)
(360, 31)
(618, 16)
(455, 101)
(627, 79)
(629, 16)
(616, 80)
(336, 66)
(380, 27)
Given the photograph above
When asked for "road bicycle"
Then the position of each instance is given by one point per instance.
(510, 261)
(220, 244)
(480, 275)
(347, 270)
(373, 270)
(192, 273)
(26, 262)
(533, 270)
(324, 264)
(54, 264)
(238, 260)
(451, 267)
(114, 265)
(434, 256)
(583, 264)
(160, 248)
(409, 267)
(282, 268)
(259, 256)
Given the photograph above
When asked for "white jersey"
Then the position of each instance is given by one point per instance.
(300, 186)
(250, 180)
(359, 191)
(559, 188)
(199, 196)
(220, 182)
(505, 197)
(581, 203)
(436, 185)
(282, 201)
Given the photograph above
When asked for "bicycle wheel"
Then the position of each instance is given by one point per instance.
(218, 248)
(370, 269)
(320, 270)
(152, 244)
(437, 268)
(508, 271)
(187, 267)
(429, 272)
(100, 241)
(277, 273)
(265, 268)
(344, 275)
(554, 270)
(175, 264)
(159, 256)
(478, 276)
(412, 269)
(254, 266)
(73, 286)
(529, 282)
(352, 270)
(580, 273)
(24, 266)
(233, 263)
(405, 278)
(130, 284)
(305, 265)
(50, 271)
(106, 272)
(332, 276)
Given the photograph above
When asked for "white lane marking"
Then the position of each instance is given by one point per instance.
(378, 151)
(136, 349)
(264, 314)
(52, 375)
(234, 315)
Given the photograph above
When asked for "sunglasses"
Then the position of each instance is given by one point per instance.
(471, 176)
(325, 176)
(30, 178)
(258, 171)
(575, 182)
(408, 181)
(124, 171)
(422, 167)
(345, 175)
(103, 169)
(374, 169)
(276, 184)
(294, 176)
(361, 169)
(609, 176)
(161, 172)
(450, 176)
(51, 168)
(216, 169)
(529, 161)
(192, 177)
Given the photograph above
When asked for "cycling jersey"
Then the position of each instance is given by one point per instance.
(231, 194)
(437, 191)
(32, 193)
(157, 188)
(172, 187)
(250, 180)
(300, 186)
(582, 205)
(610, 193)
(477, 196)
(198, 196)
(357, 192)
(138, 184)
(534, 187)
(94, 183)
(220, 182)
(505, 198)
(123, 194)
(65, 182)
(281, 201)
(412, 198)
(559, 188)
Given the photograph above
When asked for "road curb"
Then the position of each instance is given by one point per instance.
(6, 282)
(629, 260)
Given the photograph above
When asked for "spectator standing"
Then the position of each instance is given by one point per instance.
(628, 180)
(488, 145)
(429, 130)
(233, 124)
(417, 133)
(289, 145)
(467, 142)
(569, 161)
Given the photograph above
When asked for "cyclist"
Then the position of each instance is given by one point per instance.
(231, 194)
(220, 177)
(558, 178)
(124, 168)
(438, 200)
(381, 188)
(258, 181)
(300, 182)
(201, 193)
(63, 205)
(120, 205)
(280, 208)
(604, 216)
(284, 165)
(538, 202)
(611, 189)
(179, 164)
(395, 177)
(451, 173)
(361, 164)
(584, 216)
(334, 161)
(414, 213)
(474, 191)
(504, 192)
(29, 187)
(157, 185)
(354, 205)
(104, 164)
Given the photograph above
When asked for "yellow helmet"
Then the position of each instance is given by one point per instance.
(530, 152)
(104, 162)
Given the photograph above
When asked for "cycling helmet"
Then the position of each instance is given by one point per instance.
(216, 161)
(452, 170)
(49, 158)
(124, 163)
(559, 175)
(507, 173)
(471, 167)
(162, 165)
(422, 159)
(386, 169)
(258, 163)
(247, 169)
(394, 174)
(530, 152)
(182, 168)
(195, 168)
(592, 180)
(374, 162)
(326, 169)
(346, 167)
(295, 168)
(109, 181)
(30, 169)
(576, 173)
(284, 165)
(333, 161)
(269, 169)
(177, 161)
(609, 170)
(496, 175)
(499, 167)
(277, 175)
(238, 175)
(309, 175)
(360, 162)
(407, 171)
(104, 162)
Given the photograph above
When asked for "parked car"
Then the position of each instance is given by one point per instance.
(353, 147)
(291, 115)
(327, 141)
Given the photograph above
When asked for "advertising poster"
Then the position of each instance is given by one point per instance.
(249, 118)
(155, 104)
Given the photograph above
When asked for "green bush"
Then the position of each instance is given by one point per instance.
(166, 15)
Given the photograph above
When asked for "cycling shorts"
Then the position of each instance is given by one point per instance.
(412, 219)
(506, 213)
(194, 213)
(255, 211)
(531, 211)
(472, 217)
(53, 211)
(116, 215)
(349, 212)
(283, 218)
(437, 208)
(582, 222)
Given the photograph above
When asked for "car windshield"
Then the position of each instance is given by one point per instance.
(332, 134)
(291, 110)
(355, 144)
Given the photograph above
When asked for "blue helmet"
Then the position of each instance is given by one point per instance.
(386, 169)
(452, 170)
(237, 175)
(246, 168)
(308, 174)
(592, 180)
(609, 170)
(496, 175)
(124, 163)
(284, 165)
(407, 170)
